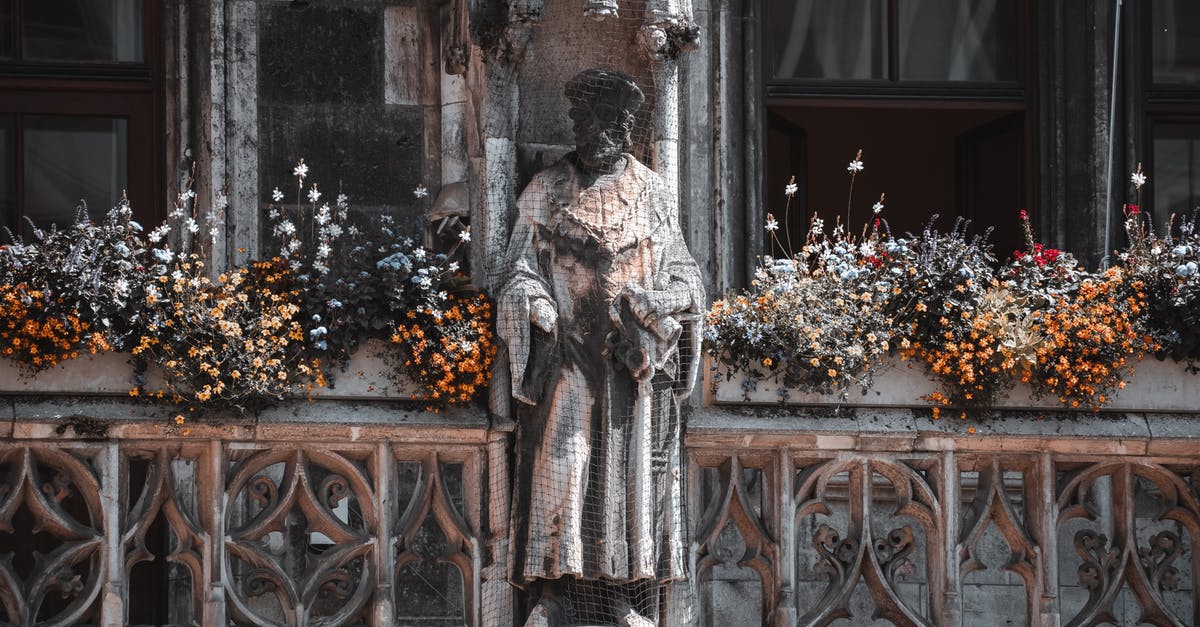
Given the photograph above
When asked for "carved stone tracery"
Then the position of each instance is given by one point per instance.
(81, 541)
(1145, 568)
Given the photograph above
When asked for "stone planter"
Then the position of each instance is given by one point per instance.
(1157, 386)
(111, 374)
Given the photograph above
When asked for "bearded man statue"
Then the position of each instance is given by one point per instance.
(599, 312)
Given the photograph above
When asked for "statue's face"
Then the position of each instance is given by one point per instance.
(599, 135)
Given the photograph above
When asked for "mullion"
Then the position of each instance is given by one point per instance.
(893, 43)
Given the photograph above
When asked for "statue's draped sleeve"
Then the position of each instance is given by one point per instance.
(523, 285)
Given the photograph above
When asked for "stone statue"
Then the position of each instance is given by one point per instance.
(598, 311)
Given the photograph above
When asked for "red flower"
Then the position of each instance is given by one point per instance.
(1051, 254)
(1134, 210)
(1024, 215)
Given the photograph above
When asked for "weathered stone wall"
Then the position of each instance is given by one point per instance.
(351, 88)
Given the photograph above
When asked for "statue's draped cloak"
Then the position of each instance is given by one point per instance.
(599, 491)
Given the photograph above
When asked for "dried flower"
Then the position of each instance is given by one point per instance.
(856, 164)
(1138, 178)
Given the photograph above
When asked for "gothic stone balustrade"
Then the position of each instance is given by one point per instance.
(326, 513)
(807, 516)
(375, 512)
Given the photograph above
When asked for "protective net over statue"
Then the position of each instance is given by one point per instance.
(598, 308)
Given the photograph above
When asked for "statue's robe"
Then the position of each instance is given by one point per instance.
(599, 489)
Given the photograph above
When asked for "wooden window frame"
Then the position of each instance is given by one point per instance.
(1022, 95)
(129, 90)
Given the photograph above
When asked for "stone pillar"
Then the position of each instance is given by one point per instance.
(216, 123)
(485, 101)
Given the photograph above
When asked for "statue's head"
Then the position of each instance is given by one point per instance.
(603, 105)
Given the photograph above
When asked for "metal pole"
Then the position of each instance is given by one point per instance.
(1112, 107)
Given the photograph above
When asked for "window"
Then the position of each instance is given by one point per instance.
(80, 119)
(1172, 105)
(933, 91)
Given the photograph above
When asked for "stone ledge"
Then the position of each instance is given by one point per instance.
(1157, 386)
(914, 430)
(41, 416)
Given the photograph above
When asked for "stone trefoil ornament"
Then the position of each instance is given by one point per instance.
(598, 311)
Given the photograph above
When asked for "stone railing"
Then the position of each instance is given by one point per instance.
(805, 516)
(328, 513)
(368, 510)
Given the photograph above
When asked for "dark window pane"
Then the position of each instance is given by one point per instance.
(950, 162)
(1176, 36)
(8, 209)
(82, 30)
(1176, 176)
(6, 43)
(70, 161)
(840, 40)
(958, 40)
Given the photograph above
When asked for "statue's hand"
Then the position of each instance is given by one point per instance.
(543, 315)
(642, 303)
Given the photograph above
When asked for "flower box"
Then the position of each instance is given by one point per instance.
(111, 374)
(1157, 386)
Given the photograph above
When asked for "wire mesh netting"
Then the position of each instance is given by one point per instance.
(597, 309)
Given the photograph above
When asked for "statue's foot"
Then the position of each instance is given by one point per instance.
(633, 619)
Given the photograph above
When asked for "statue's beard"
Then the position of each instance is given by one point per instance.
(602, 151)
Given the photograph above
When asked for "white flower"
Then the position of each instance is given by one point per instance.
(425, 283)
(855, 167)
(285, 228)
(313, 194)
(877, 207)
(466, 346)
(121, 287)
(323, 250)
(343, 201)
(419, 254)
(222, 200)
(790, 190)
(300, 171)
(772, 224)
(189, 194)
(334, 230)
(1138, 179)
(273, 214)
(465, 234)
(157, 234)
(420, 191)
(323, 215)
(453, 267)
(276, 195)
(191, 225)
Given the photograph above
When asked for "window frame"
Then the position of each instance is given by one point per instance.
(1023, 95)
(1154, 104)
(895, 88)
(129, 90)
